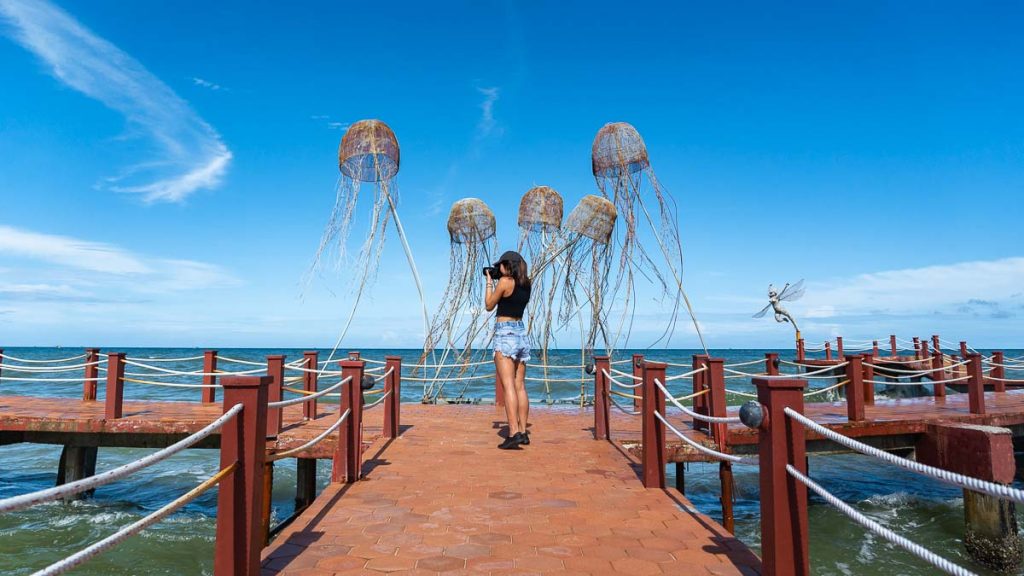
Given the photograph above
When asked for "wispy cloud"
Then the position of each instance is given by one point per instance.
(207, 84)
(332, 124)
(189, 155)
(487, 125)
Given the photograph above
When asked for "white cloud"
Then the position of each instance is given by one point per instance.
(487, 125)
(207, 84)
(190, 155)
(70, 252)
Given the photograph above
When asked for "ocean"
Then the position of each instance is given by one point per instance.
(927, 512)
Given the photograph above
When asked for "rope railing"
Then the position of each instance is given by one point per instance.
(810, 393)
(313, 442)
(804, 375)
(45, 369)
(70, 489)
(966, 482)
(738, 393)
(1006, 380)
(898, 383)
(193, 373)
(625, 395)
(611, 397)
(625, 374)
(186, 359)
(689, 374)
(914, 373)
(390, 371)
(19, 379)
(42, 361)
(135, 527)
(377, 402)
(620, 384)
(698, 446)
(691, 413)
(239, 361)
(309, 395)
(169, 384)
(877, 529)
(741, 364)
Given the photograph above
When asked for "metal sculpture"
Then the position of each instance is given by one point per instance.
(775, 300)
(622, 170)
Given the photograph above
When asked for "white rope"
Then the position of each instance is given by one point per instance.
(623, 410)
(319, 372)
(182, 373)
(314, 441)
(373, 361)
(443, 366)
(17, 379)
(239, 361)
(750, 363)
(695, 415)
(1008, 380)
(689, 374)
(997, 365)
(698, 446)
(738, 393)
(626, 374)
(823, 390)
(916, 372)
(460, 378)
(187, 359)
(879, 530)
(975, 484)
(557, 379)
(378, 401)
(45, 369)
(372, 370)
(929, 383)
(307, 398)
(613, 380)
(170, 384)
(132, 529)
(31, 499)
(44, 361)
(385, 375)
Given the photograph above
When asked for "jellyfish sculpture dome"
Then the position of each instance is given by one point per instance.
(618, 149)
(470, 221)
(540, 210)
(369, 152)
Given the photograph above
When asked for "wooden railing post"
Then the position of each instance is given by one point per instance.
(975, 384)
(700, 383)
(784, 541)
(348, 467)
(275, 369)
(717, 400)
(800, 354)
(638, 371)
(963, 349)
(998, 371)
(309, 383)
(926, 354)
(2, 361)
(114, 402)
(917, 348)
(601, 365)
(855, 388)
(839, 347)
(828, 350)
(209, 395)
(240, 494)
(92, 372)
(892, 346)
(936, 343)
(771, 363)
(939, 373)
(869, 381)
(393, 388)
(874, 348)
(653, 431)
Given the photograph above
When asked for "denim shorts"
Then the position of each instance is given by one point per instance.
(511, 340)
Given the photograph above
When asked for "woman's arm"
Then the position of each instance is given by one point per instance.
(491, 296)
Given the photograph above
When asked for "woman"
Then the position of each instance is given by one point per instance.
(510, 294)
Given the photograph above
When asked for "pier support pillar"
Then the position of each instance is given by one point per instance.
(268, 491)
(984, 452)
(681, 477)
(76, 463)
(725, 478)
(305, 482)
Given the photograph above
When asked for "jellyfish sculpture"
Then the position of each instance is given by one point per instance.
(459, 328)
(624, 175)
(540, 223)
(581, 262)
(369, 154)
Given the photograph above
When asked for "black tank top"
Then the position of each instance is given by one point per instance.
(514, 304)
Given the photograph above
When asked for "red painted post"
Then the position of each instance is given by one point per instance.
(869, 382)
(940, 373)
(353, 355)
(892, 346)
(925, 353)
(917, 348)
(998, 371)
(700, 382)
(309, 383)
(393, 389)
(350, 442)
(638, 370)
(240, 495)
(828, 350)
(601, 430)
(653, 431)
(839, 347)
(800, 354)
(874, 348)
(855, 388)
(275, 369)
(975, 384)
(963, 349)
(771, 363)
(936, 343)
(784, 547)
(2, 358)
(92, 372)
(716, 399)
(209, 395)
(115, 385)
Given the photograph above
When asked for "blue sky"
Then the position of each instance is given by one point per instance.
(169, 166)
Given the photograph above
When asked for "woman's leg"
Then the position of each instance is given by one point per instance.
(507, 376)
(522, 399)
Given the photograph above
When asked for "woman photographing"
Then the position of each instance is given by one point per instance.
(508, 289)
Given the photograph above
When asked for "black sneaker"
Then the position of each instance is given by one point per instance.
(525, 440)
(510, 443)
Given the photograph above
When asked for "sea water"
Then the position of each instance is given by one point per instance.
(928, 512)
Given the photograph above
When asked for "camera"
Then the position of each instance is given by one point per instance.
(492, 272)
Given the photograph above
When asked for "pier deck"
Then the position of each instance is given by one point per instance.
(442, 498)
